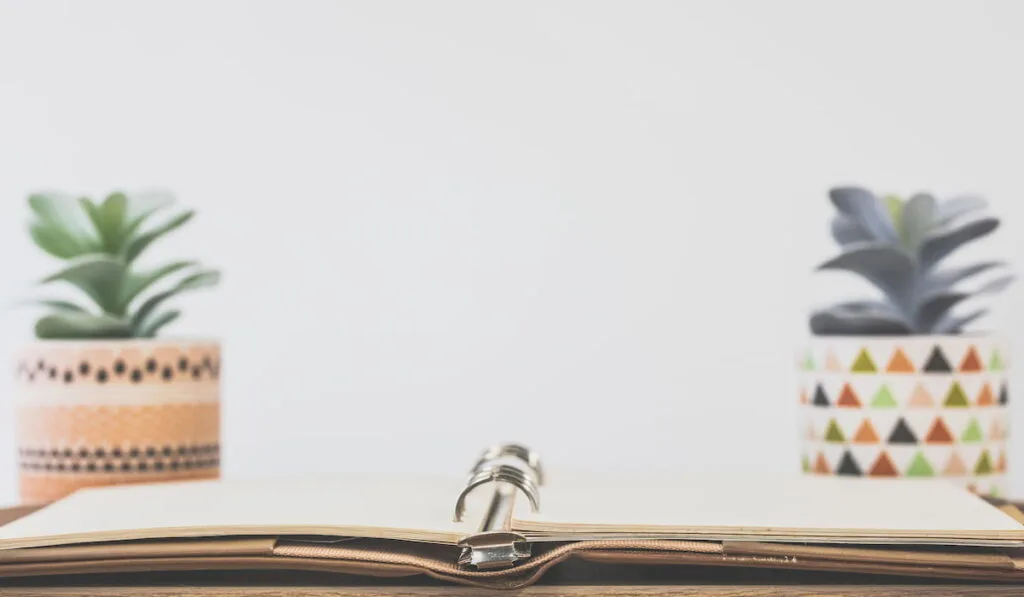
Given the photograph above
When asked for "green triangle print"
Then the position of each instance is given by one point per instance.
(972, 433)
(984, 466)
(883, 398)
(996, 362)
(808, 362)
(805, 464)
(864, 364)
(956, 397)
(834, 433)
(937, 362)
(920, 467)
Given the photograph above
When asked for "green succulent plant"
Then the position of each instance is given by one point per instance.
(899, 246)
(99, 243)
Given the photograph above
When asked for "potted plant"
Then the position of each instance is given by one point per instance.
(895, 386)
(100, 399)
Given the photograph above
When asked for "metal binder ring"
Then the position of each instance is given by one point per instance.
(528, 456)
(502, 473)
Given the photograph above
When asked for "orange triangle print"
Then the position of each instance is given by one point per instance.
(821, 465)
(955, 467)
(939, 433)
(883, 467)
(920, 398)
(985, 396)
(865, 434)
(899, 363)
(971, 362)
(1001, 463)
(803, 396)
(832, 363)
(848, 398)
(996, 432)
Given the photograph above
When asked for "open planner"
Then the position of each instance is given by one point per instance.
(512, 520)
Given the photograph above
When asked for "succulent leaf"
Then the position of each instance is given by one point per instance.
(945, 241)
(70, 325)
(862, 207)
(954, 324)
(845, 231)
(917, 221)
(203, 279)
(144, 205)
(887, 267)
(60, 305)
(919, 298)
(99, 276)
(140, 242)
(869, 318)
(99, 242)
(109, 220)
(136, 283)
(894, 205)
(62, 216)
(55, 242)
(150, 328)
(959, 206)
(937, 281)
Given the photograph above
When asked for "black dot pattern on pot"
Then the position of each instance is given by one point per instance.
(171, 368)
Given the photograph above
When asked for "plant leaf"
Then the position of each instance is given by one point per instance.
(859, 318)
(936, 307)
(99, 276)
(959, 206)
(845, 231)
(953, 324)
(863, 207)
(140, 242)
(109, 220)
(150, 328)
(918, 219)
(63, 216)
(54, 241)
(939, 281)
(142, 205)
(203, 279)
(887, 267)
(61, 305)
(946, 240)
(136, 283)
(68, 325)
(894, 205)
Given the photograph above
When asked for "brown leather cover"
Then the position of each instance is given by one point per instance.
(382, 558)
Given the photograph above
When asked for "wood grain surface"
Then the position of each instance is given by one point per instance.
(535, 591)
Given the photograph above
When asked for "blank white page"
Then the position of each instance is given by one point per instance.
(759, 503)
(369, 505)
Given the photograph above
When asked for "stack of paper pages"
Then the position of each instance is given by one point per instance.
(389, 526)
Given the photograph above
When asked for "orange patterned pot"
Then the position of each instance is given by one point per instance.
(119, 411)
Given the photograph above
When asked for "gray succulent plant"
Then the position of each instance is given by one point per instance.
(99, 243)
(898, 246)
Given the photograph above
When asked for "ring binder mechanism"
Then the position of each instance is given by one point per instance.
(495, 546)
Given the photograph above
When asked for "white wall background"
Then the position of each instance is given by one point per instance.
(583, 225)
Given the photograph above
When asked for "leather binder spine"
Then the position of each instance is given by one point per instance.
(510, 468)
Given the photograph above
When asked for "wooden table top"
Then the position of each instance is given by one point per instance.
(571, 580)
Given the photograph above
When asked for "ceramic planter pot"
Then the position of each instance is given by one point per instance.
(109, 412)
(910, 407)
